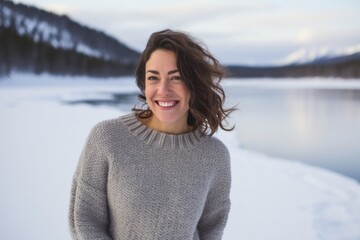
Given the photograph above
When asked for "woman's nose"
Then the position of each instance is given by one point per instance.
(164, 87)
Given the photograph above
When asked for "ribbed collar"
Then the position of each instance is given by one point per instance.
(160, 139)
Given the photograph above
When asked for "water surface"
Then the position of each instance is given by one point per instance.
(315, 125)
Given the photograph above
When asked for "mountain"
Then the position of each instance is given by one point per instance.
(309, 55)
(32, 38)
(345, 66)
(336, 59)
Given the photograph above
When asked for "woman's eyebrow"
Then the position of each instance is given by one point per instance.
(153, 71)
(157, 72)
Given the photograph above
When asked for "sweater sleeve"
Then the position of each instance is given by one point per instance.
(88, 214)
(217, 206)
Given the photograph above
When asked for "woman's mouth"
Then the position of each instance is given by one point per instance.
(166, 104)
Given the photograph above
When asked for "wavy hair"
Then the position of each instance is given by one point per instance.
(201, 73)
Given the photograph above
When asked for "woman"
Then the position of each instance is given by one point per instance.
(157, 173)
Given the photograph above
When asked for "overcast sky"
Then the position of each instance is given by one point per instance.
(237, 32)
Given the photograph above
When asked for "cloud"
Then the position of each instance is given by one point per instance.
(134, 25)
(175, 14)
(58, 8)
(305, 36)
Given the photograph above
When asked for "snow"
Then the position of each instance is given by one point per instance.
(305, 55)
(82, 48)
(41, 140)
(6, 13)
(280, 199)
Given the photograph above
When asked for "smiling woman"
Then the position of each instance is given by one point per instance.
(158, 173)
(197, 74)
(167, 94)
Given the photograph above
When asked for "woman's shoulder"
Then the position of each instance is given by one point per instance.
(215, 147)
(215, 142)
(109, 127)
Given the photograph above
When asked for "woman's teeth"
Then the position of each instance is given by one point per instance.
(166, 104)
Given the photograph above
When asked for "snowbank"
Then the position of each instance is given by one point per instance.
(41, 140)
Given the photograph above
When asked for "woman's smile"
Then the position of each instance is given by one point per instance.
(166, 104)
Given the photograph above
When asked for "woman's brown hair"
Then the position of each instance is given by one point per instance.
(201, 73)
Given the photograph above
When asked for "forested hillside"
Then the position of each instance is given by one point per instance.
(34, 40)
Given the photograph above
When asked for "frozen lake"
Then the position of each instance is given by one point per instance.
(316, 123)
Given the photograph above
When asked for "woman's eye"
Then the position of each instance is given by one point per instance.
(152, 78)
(177, 78)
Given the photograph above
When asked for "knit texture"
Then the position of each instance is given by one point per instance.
(133, 182)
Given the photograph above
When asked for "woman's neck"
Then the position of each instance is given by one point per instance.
(170, 128)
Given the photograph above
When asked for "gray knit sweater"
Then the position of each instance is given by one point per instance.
(133, 182)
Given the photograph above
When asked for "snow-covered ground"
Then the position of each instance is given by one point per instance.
(41, 139)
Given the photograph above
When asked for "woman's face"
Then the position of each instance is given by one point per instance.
(166, 93)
